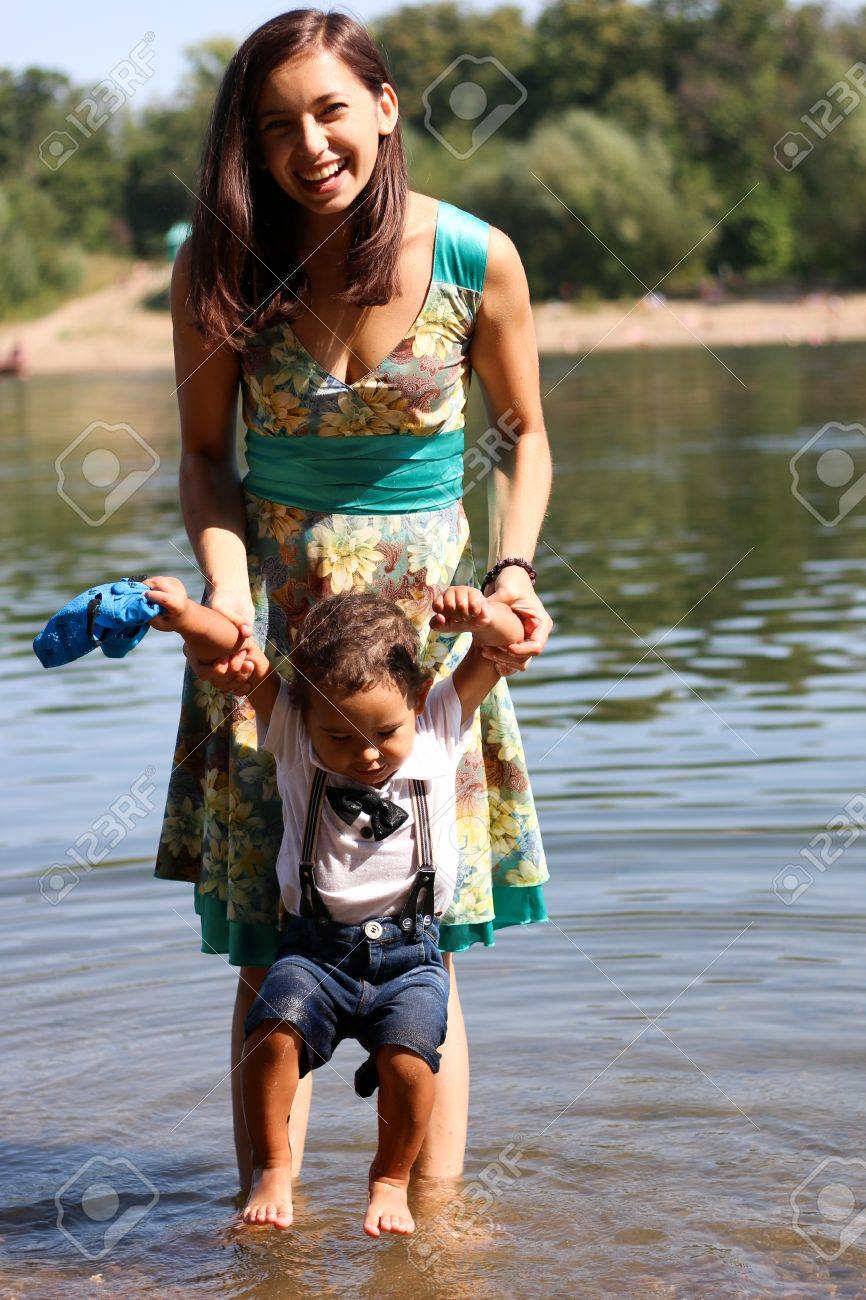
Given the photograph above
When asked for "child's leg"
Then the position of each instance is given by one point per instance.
(406, 1093)
(270, 1069)
(248, 986)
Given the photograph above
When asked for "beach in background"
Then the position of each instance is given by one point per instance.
(126, 326)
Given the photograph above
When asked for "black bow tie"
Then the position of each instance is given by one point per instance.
(385, 815)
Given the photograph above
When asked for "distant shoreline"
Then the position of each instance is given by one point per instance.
(110, 331)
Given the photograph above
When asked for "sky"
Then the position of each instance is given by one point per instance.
(88, 42)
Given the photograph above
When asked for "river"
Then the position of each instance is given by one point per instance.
(667, 1080)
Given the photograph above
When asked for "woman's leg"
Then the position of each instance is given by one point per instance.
(248, 986)
(444, 1147)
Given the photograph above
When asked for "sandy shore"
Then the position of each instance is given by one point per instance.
(113, 331)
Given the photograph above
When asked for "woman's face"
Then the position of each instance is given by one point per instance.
(314, 113)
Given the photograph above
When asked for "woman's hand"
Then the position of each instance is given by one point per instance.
(514, 588)
(233, 672)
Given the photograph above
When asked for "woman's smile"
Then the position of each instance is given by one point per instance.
(324, 177)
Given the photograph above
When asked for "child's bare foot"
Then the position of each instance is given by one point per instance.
(388, 1210)
(270, 1198)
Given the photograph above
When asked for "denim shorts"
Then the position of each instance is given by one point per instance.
(370, 982)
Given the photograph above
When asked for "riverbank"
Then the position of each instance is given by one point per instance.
(127, 327)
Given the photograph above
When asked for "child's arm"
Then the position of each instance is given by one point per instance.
(464, 609)
(210, 635)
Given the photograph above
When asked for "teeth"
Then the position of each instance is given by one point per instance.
(321, 172)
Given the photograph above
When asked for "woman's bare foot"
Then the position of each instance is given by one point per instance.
(388, 1210)
(270, 1199)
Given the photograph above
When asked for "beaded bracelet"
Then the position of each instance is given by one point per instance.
(492, 574)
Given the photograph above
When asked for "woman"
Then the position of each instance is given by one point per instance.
(354, 477)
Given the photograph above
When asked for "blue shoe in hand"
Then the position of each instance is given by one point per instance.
(114, 616)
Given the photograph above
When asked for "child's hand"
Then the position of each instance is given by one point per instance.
(170, 595)
(252, 672)
(460, 609)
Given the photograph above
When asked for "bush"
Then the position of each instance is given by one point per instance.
(589, 203)
(35, 262)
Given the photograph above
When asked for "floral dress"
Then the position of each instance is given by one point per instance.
(223, 818)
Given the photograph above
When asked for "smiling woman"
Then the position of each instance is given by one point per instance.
(354, 476)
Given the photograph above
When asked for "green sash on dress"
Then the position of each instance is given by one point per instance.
(392, 473)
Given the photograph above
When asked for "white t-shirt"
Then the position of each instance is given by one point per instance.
(360, 878)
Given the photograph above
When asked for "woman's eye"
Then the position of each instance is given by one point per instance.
(386, 734)
(281, 122)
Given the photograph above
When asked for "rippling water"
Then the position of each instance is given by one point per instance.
(666, 1075)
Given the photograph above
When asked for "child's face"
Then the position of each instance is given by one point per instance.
(367, 735)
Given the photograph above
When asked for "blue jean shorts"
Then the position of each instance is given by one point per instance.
(370, 982)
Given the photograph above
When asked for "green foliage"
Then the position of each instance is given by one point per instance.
(593, 206)
(758, 238)
(646, 130)
(35, 263)
(421, 41)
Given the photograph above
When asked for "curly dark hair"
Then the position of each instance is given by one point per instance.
(354, 642)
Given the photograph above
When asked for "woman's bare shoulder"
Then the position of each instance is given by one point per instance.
(506, 289)
(421, 211)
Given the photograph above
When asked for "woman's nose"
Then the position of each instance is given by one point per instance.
(312, 140)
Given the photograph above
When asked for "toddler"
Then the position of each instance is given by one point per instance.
(366, 753)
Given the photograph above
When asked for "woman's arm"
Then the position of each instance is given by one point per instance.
(208, 377)
(515, 454)
(208, 633)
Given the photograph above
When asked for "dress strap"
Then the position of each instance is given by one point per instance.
(461, 248)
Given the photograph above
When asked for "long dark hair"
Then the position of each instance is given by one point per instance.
(244, 228)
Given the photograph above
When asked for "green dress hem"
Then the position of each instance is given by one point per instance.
(257, 945)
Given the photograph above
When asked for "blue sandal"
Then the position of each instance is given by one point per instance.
(114, 616)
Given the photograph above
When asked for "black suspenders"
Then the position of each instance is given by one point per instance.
(422, 893)
(311, 900)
